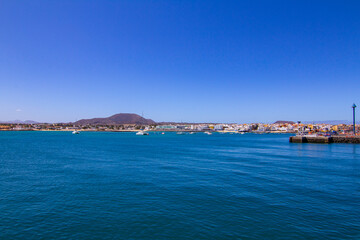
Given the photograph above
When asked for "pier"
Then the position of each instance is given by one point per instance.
(325, 139)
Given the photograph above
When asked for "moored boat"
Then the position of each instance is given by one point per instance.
(142, 133)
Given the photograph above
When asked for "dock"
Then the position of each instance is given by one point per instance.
(325, 139)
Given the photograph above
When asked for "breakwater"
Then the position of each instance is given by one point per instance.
(323, 139)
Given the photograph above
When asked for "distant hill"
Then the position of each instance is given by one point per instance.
(19, 122)
(332, 122)
(121, 118)
(283, 122)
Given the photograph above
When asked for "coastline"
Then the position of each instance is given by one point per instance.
(137, 130)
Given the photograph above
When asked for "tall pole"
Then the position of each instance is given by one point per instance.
(354, 106)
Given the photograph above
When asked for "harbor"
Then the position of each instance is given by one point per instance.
(302, 137)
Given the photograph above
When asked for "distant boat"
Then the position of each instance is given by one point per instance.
(142, 133)
(162, 133)
(180, 133)
(75, 132)
(208, 133)
(192, 132)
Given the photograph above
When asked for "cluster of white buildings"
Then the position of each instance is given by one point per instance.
(252, 127)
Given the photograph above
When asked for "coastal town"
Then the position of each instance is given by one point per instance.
(277, 127)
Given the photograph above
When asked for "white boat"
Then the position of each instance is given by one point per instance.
(180, 133)
(208, 133)
(162, 133)
(142, 133)
(75, 132)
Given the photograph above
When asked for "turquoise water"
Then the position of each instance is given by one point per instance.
(55, 185)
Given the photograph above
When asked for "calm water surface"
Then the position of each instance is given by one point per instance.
(55, 185)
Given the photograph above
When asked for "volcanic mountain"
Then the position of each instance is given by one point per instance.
(121, 118)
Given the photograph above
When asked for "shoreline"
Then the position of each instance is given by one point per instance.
(137, 130)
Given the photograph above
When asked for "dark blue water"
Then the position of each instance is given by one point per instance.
(55, 185)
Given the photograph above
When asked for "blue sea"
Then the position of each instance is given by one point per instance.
(102, 185)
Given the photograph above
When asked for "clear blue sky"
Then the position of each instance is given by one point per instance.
(196, 61)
